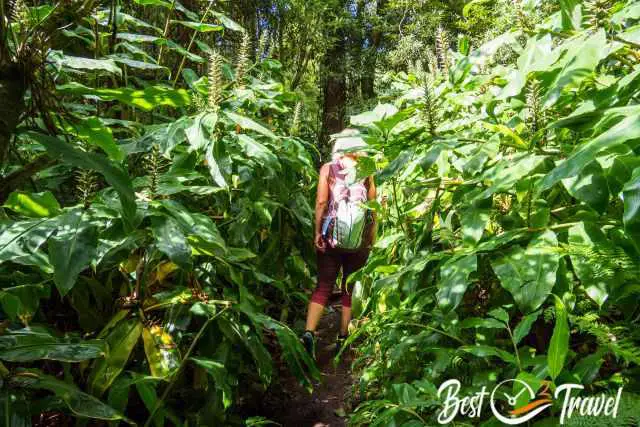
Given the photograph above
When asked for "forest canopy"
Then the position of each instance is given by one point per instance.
(158, 167)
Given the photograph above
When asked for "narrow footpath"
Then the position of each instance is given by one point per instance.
(327, 406)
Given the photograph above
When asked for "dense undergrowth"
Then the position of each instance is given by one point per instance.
(156, 236)
(148, 270)
(510, 232)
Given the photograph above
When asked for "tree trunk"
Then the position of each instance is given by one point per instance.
(334, 91)
(12, 89)
(374, 41)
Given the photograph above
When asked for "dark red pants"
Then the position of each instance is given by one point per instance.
(329, 264)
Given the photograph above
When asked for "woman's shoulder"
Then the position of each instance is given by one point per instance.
(324, 169)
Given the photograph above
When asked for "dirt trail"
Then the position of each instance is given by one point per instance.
(293, 406)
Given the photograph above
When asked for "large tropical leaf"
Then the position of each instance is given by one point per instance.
(35, 205)
(247, 123)
(559, 345)
(626, 130)
(590, 186)
(35, 343)
(589, 237)
(81, 63)
(121, 336)
(454, 280)
(146, 99)
(20, 240)
(220, 376)
(201, 27)
(529, 274)
(580, 60)
(93, 131)
(80, 403)
(22, 301)
(115, 176)
(631, 194)
(71, 249)
(171, 241)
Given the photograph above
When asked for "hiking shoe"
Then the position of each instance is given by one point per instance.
(340, 343)
(309, 342)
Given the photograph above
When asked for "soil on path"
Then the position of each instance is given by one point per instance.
(293, 406)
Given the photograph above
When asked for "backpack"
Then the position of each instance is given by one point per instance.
(347, 215)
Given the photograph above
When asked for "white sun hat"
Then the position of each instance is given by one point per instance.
(347, 141)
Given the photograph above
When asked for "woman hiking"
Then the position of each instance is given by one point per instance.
(344, 230)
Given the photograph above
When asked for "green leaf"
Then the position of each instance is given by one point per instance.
(247, 123)
(257, 151)
(505, 175)
(464, 45)
(453, 280)
(22, 302)
(228, 22)
(140, 65)
(571, 16)
(81, 63)
(35, 205)
(220, 376)
(121, 340)
(116, 177)
(162, 3)
(538, 55)
(587, 368)
(500, 314)
(375, 116)
(203, 309)
(214, 168)
(395, 165)
(147, 99)
(484, 351)
(529, 274)
(523, 328)
(253, 342)
(71, 249)
(162, 352)
(149, 395)
(626, 130)
(580, 62)
(35, 343)
(631, 195)
(202, 126)
(80, 403)
(119, 392)
(295, 355)
(93, 131)
(20, 240)
(595, 284)
(171, 241)
(473, 222)
(200, 27)
(201, 231)
(138, 38)
(477, 322)
(590, 186)
(239, 254)
(559, 345)
(515, 139)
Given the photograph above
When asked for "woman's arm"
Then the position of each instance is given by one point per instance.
(322, 199)
(371, 195)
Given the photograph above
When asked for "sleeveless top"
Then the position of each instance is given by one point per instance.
(343, 186)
